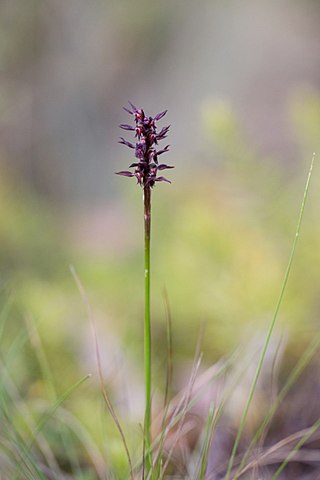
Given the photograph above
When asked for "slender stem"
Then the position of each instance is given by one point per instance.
(147, 329)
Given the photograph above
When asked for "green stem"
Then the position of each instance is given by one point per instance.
(147, 330)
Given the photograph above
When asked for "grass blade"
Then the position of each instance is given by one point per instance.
(207, 442)
(294, 375)
(301, 442)
(103, 390)
(271, 327)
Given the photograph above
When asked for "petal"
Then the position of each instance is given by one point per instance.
(125, 174)
(125, 126)
(139, 178)
(163, 166)
(124, 142)
(164, 150)
(164, 130)
(134, 108)
(127, 110)
(162, 179)
(163, 133)
(160, 115)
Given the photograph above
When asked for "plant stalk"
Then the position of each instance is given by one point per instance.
(147, 330)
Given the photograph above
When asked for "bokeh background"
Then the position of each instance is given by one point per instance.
(241, 82)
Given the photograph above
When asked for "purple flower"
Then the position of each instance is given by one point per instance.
(146, 167)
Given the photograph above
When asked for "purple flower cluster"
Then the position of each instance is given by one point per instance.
(147, 166)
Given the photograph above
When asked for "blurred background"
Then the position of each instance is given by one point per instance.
(241, 82)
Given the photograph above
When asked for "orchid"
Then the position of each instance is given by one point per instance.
(147, 165)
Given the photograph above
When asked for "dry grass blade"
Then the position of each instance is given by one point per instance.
(269, 454)
(169, 352)
(202, 383)
(272, 324)
(176, 418)
(158, 465)
(101, 380)
(297, 447)
(183, 408)
(302, 363)
(207, 441)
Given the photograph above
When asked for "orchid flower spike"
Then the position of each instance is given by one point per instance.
(146, 166)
